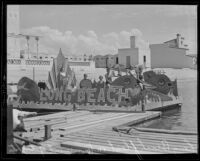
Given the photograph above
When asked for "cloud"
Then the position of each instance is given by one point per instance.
(177, 10)
(86, 43)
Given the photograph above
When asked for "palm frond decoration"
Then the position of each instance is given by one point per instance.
(61, 74)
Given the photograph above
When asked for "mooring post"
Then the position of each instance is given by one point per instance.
(47, 130)
(9, 129)
(74, 107)
(143, 106)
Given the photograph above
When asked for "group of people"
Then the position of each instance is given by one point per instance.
(87, 83)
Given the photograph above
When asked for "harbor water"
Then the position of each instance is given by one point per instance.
(184, 118)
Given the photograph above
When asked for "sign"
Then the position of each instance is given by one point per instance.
(111, 95)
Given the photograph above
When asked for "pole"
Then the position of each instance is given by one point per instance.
(10, 150)
(47, 132)
(143, 107)
(37, 39)
(33, 73)
(27, 38)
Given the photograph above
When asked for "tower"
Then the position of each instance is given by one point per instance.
(132, 41)
(13, 29)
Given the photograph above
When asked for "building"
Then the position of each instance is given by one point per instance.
(104, 61)
(171, 54)
(135, 55)
(13, 42)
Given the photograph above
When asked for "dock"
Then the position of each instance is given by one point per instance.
(92, 133)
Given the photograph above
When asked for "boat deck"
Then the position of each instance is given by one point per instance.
(176, 102)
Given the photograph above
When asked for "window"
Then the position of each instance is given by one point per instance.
(117, 61)
(144, 59)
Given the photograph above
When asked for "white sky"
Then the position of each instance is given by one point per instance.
(102, 29)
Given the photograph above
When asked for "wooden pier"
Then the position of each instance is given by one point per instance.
(92, 132)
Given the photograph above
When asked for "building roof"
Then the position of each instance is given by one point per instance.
(173, 40)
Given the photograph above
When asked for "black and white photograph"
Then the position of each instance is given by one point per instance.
(101, 79)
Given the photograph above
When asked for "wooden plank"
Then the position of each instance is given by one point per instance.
(139, 144)
(98, 121)
(165, 131)
(77, 120)
(121, 116)
(127, 145)
(155, 139)
(41, 122)
(85, 119)
(145, 135)
(132, 145)
(110, 130)
(56, 115)
(102, 149)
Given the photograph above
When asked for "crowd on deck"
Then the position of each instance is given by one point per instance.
(110, 74)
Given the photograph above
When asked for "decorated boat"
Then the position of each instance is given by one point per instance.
(140, 92)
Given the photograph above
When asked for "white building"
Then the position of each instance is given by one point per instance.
(171, 54)
(135, 55)
(13, 29)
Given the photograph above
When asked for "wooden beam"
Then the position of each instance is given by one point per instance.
(47, 132)
(9, 128)
(103, 149)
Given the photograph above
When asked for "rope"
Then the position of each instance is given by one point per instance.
(127, 130)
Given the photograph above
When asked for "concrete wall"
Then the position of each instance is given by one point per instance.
(163, 56)
(133, 53)
(103, 61)
(100, 61)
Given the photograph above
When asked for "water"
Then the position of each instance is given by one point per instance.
(184, 118)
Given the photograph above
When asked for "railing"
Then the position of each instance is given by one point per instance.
(37, 62)
(14, 61)
(79, 63)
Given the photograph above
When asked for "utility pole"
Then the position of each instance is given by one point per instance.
(27, 39)
(37, 39)
(33, 73)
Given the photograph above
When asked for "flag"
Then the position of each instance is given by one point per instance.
(59, 63)
(53, 75)
(50, 81)
(73, 82)
(61, 74)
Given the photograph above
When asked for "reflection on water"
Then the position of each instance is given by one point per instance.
(184, 118)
